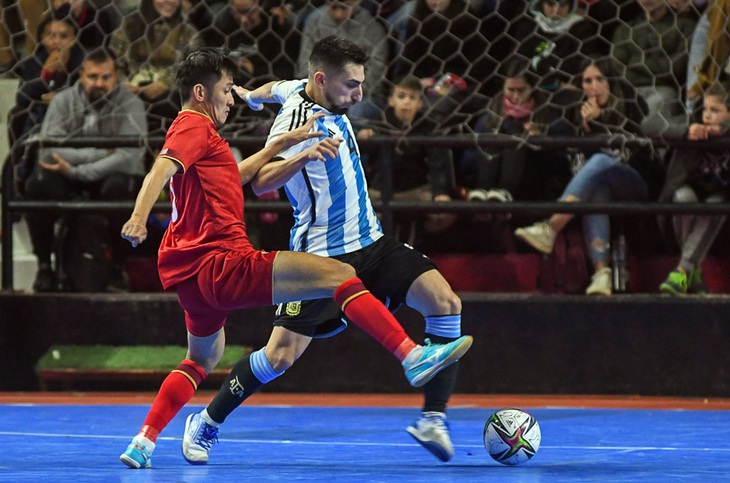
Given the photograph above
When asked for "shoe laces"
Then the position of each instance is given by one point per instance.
(436, 419)
(208, 436)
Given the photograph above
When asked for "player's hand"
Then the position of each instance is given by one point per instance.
(302, 133)
(325, 149)
(59, 165)
(134, 231)
(243, 93)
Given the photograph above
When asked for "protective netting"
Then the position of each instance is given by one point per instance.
(486, 66)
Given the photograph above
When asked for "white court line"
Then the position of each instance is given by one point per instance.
(353, 443)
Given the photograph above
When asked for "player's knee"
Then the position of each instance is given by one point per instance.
(446, 302)
(281, 360)
(341, 272)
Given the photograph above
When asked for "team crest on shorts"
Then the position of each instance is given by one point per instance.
(293, 308)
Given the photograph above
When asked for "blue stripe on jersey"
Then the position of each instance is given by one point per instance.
(362, 195)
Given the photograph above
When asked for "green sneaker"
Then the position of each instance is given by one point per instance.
(696, 284)
(675, 284)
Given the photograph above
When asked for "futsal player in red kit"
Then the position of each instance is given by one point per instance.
(206, 256)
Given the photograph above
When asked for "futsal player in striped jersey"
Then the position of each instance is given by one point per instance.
(207, 258)
(334, 218)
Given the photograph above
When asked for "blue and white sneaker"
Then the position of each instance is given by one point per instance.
(432, 358)
(138, 454)
(198, 438)
(432, 431)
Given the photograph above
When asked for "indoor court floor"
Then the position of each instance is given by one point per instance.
(65, 437)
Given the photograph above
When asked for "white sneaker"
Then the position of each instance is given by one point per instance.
(432, 431)
(601, 282)
(198, 438)
(539, 236)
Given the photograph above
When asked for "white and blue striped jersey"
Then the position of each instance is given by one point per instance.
(332, 210)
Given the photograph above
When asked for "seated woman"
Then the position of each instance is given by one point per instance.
(518, 173)
(602, 106)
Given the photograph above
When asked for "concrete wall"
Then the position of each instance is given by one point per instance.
(630, 344)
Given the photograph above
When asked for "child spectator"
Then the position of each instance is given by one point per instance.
(698, 175)
(414, 173)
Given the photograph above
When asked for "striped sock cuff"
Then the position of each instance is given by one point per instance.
(192, 371)
(261, 367)
(448, 326)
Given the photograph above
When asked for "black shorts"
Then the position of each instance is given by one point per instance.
(388, 268)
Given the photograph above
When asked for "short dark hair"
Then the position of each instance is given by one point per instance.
(206, 66)
(408, 81)
(719, 90)
(99, 56)
(334, 53)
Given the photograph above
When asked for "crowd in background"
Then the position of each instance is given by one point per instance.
(521, 68)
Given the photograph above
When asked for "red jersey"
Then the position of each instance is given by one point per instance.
(207, 199)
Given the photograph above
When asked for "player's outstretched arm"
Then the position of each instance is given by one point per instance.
(248, 167)
(257, 97)
(275, 174)
(135, 229)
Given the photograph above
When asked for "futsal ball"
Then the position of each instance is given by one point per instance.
(511, 436)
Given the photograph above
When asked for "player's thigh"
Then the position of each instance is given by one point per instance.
(302, 276)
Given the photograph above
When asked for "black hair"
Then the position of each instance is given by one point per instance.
(334, 53)
(719, 90)
(518, 67)
(408, 81)
(61, 14)
(206, 66)
(99, 56)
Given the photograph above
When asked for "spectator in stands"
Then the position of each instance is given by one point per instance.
(654, 49)
(346, 19)
(95, 106)
(710, 50)
(414, 173)
(604, 105)
(698, 175)
(94, 25)
(261, 38)
(556, 38)
(149, 45)
(520, 173)
(442, 37)
(20, 18)
(53, 65)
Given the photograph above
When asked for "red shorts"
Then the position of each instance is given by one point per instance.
(227, 281)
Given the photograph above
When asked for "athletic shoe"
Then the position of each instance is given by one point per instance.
(138, 454)
(198, 438)
(675, 284)
(696, 283)
(432, 358)
(601, 283)
(432, 431)
(539, 236)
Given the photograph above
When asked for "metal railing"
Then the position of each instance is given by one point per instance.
(12, 205)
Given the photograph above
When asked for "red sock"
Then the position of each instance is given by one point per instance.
(368, 313)
(176, 390)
